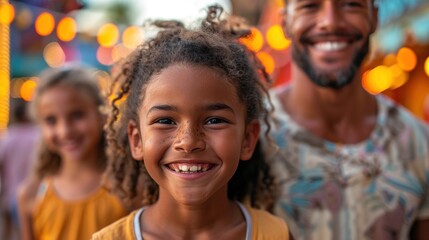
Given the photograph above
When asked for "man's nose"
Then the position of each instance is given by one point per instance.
(329, 16)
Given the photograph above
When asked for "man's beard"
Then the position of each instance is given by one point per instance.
(341, 77)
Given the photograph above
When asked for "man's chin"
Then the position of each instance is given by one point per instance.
(332, 82)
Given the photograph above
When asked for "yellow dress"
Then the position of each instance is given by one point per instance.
(261, 225)
(55, 218)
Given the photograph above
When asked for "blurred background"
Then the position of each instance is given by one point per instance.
(36, 34)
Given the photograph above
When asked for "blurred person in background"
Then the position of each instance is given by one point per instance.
(63, 198)
(350, 165)
(17, 153)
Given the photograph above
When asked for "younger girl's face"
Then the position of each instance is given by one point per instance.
(192, 133)
(70, 122)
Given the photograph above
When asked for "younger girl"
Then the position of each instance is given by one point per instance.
(64, 200)
(188, 129)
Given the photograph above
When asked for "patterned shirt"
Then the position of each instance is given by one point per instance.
(374, 189)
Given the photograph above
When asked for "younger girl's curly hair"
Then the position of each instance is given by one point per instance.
(214, 44)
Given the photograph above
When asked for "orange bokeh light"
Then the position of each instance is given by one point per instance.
(54, 54)
(27, 90)
(406, 59)
(266, 60)
(276, 38)
(377, 79)
(66, 30)
(426, 67)
(108, 35)
(132, 37)
(45, 24)
(7, 13)
(254, 41)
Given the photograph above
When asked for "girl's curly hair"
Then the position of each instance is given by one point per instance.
(214, 44)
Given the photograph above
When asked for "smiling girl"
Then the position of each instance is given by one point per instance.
(188, 130)
(64, 199)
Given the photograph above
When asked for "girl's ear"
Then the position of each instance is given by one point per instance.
(134, 137)
(250, 139)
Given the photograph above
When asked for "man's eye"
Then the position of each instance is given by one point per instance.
(353, 3)
(164, 121)
(215, 121)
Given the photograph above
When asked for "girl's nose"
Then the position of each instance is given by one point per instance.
(189, 139)
(64, 129)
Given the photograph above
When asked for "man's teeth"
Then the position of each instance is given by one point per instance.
(330, 46)
(188, 168)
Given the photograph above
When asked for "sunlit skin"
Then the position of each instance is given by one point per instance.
(192, 115)
(331, 33)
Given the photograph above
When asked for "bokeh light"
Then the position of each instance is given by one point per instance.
(108, 35)
(276, 38)
(45, 24)
(377, 80)
(132, 37)
(389, 59)
(399, 76)
(266, 60)
(7, 13)
(24, 18)
(427, 66)
(15, 87)
(27, 89)
(54, 54)
(120, 52)
(104, 55)
(406, 59)
(66, 29)
(254, 41)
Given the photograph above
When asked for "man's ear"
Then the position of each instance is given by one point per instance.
(135, 140)
(250, 139)
(374, 18)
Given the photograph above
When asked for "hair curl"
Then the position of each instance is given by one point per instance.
(214, 44)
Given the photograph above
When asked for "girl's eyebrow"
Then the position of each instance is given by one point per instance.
(209, 107)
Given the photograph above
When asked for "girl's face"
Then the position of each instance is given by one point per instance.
(192, 133)
(71, 124)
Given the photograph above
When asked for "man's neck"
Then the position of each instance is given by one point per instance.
(345, 115)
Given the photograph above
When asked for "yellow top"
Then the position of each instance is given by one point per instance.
(261, 225)
(55, 218)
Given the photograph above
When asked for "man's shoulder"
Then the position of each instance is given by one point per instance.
(121, 229)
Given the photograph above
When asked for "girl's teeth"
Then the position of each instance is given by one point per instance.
(186, 168)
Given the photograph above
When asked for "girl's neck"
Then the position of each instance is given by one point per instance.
(180, 221)
(72, 168)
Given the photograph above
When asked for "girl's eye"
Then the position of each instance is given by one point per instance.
(77, 115)
(164, 121)
(50, 120)
(215, 121)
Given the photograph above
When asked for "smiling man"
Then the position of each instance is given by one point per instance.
(350, 165)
